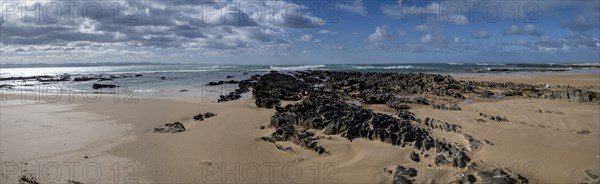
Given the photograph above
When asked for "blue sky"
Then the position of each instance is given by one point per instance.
(301, 32)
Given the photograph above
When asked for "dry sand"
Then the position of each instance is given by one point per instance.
(117, 138)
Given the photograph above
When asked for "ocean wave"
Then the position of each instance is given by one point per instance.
(488, 64)
(456, 63)
(363, 67)
(216, 67)
(293, 68)
(398, 67)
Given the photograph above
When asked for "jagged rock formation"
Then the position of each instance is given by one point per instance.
(326, 103)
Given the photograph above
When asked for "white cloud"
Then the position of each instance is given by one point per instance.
(309, 38)
(228, 29)
(380, 34)
(357, 6)
(325, 31)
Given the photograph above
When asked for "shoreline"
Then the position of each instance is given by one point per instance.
(222, 139)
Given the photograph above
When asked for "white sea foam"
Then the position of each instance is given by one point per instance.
(398, 67)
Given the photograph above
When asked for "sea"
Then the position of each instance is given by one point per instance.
(191, 79)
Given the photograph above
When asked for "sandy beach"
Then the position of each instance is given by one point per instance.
(543, 140)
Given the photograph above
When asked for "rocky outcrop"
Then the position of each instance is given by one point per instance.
(446, 107)
(303, 139)
(444, 126)
(266, 102)
(325, 103)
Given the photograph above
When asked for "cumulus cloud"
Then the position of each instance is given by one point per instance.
(356, 6)
(380, 34)
(223, 28)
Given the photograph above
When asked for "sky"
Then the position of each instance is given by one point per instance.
(300, 32)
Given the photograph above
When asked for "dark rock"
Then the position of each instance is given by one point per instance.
(170, 128)
(199, 117)
(8, 86)
(282, 119)
(474, 144)
(493, 118)
(414, 156)
(402, 171)
(400, 180)
(98, 86)
(446, 107)
(465, 178)
(28, 180)
(209, 114)
(583, 132)
(74, 182)
(268, 103)
(439, 159)
(487, 174)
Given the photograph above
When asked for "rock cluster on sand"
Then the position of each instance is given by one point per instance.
(330, 102)
(480, 173)
(201, 117)
(170, 128)
(493, 118)
(305, 139)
